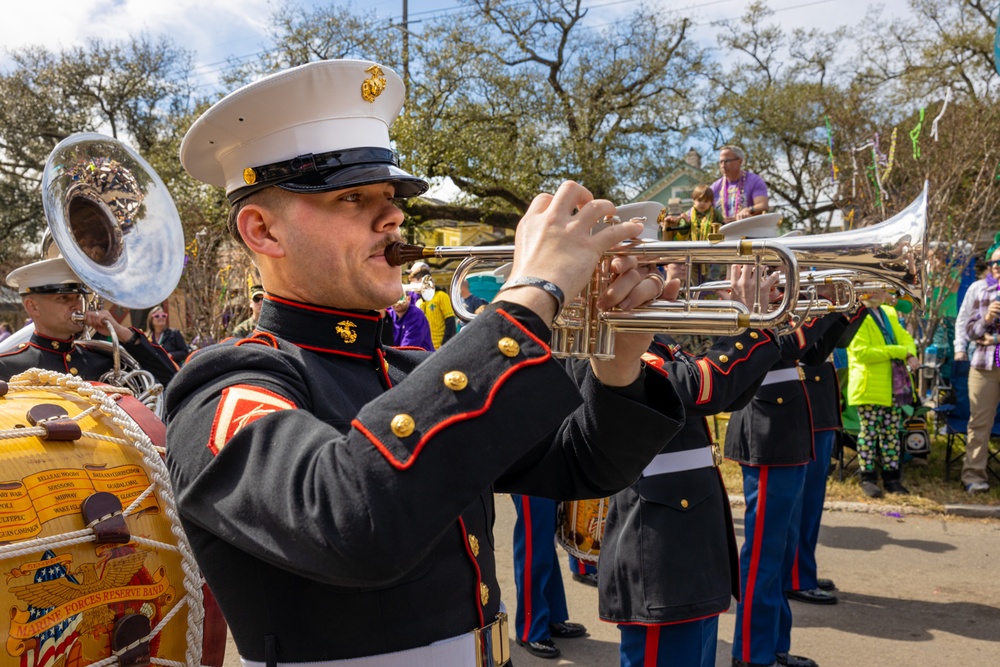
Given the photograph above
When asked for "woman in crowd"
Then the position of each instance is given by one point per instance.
(879, 392)
(159, 333)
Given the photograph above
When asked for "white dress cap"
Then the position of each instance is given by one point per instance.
(763, 226)
(49, 276)
(324, 107)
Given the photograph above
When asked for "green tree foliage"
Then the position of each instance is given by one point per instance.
(132, 90)
(514, 97)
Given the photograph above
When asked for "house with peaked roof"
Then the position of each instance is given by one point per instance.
(674, 189)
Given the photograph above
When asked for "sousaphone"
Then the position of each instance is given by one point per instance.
(110, 216)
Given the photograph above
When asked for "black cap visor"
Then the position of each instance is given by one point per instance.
(336, 170)
(58, 288)
(406, 184)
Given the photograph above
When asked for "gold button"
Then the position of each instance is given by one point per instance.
(402, 425)
(739, 346)
(684, 503)
(508, 347)
(55, 345)
(455, 380)
(73, 371)
(753, 334)
(723, 358)
(484, 593)
(474, 545)
(69, 357)
(780, 400)
(816, 378)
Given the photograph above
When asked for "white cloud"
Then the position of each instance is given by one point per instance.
(211, 30)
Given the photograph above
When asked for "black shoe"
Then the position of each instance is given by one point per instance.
(826, 585)
(590, 578)
(794, 660)
(895, 486)
(871, 489)
(567, 630)
(740, 663)
(543, 649)
(812, 596)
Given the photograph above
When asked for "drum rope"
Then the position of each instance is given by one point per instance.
(152, 456)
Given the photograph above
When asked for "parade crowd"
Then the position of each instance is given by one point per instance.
(339, 453)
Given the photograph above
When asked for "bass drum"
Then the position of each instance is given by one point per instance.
(580, 527)
(95, 562)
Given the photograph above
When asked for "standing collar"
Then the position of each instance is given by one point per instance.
(59, 345)
(320, 329)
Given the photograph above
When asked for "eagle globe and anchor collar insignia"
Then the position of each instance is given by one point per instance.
(320, 329)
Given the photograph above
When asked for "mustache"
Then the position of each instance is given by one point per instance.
(379, 248)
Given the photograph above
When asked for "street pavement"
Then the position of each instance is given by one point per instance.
(919, 591)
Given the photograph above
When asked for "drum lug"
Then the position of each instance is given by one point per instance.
(102, 511)
(130, 641)
(55, 421)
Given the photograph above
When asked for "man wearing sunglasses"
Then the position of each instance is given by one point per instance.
(246, 327)
(739, 193)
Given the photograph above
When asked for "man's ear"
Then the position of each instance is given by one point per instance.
(255, 223)
(31, 306)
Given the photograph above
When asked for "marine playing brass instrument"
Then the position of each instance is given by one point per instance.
(112, 219)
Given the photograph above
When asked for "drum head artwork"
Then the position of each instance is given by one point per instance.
(74, 593)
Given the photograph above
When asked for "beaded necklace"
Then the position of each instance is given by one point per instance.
(741, 183)
(700, 229)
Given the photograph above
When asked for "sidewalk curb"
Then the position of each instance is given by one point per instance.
(974, 511)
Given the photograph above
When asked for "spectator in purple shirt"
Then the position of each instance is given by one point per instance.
(739, 193)
(410, 327)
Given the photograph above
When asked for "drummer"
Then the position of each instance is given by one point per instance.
(338, 495)
(51, 293)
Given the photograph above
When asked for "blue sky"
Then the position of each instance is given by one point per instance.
(215, 30)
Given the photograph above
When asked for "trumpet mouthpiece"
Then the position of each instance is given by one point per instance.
(398, 254)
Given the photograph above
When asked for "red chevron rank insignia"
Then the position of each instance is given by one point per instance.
(240, 405)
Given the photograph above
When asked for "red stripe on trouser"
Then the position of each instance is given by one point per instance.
(758, 538)
(652, 646)
(526, 516)
(796, 586)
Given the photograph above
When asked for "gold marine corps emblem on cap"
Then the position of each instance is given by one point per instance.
(249, 176)
(346, 331)
(374, 85)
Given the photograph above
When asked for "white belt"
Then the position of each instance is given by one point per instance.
(782, 375)
(690, 459)
(460, 651)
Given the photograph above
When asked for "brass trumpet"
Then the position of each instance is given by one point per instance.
(582, 330)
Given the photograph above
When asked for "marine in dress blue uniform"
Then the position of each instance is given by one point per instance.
(338, 494)
(771, 439)
(60, 352)
(669, 563)
(541, 612)
(823, 390)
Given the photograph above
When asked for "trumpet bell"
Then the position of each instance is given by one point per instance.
(893, 251)
(113, 220)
